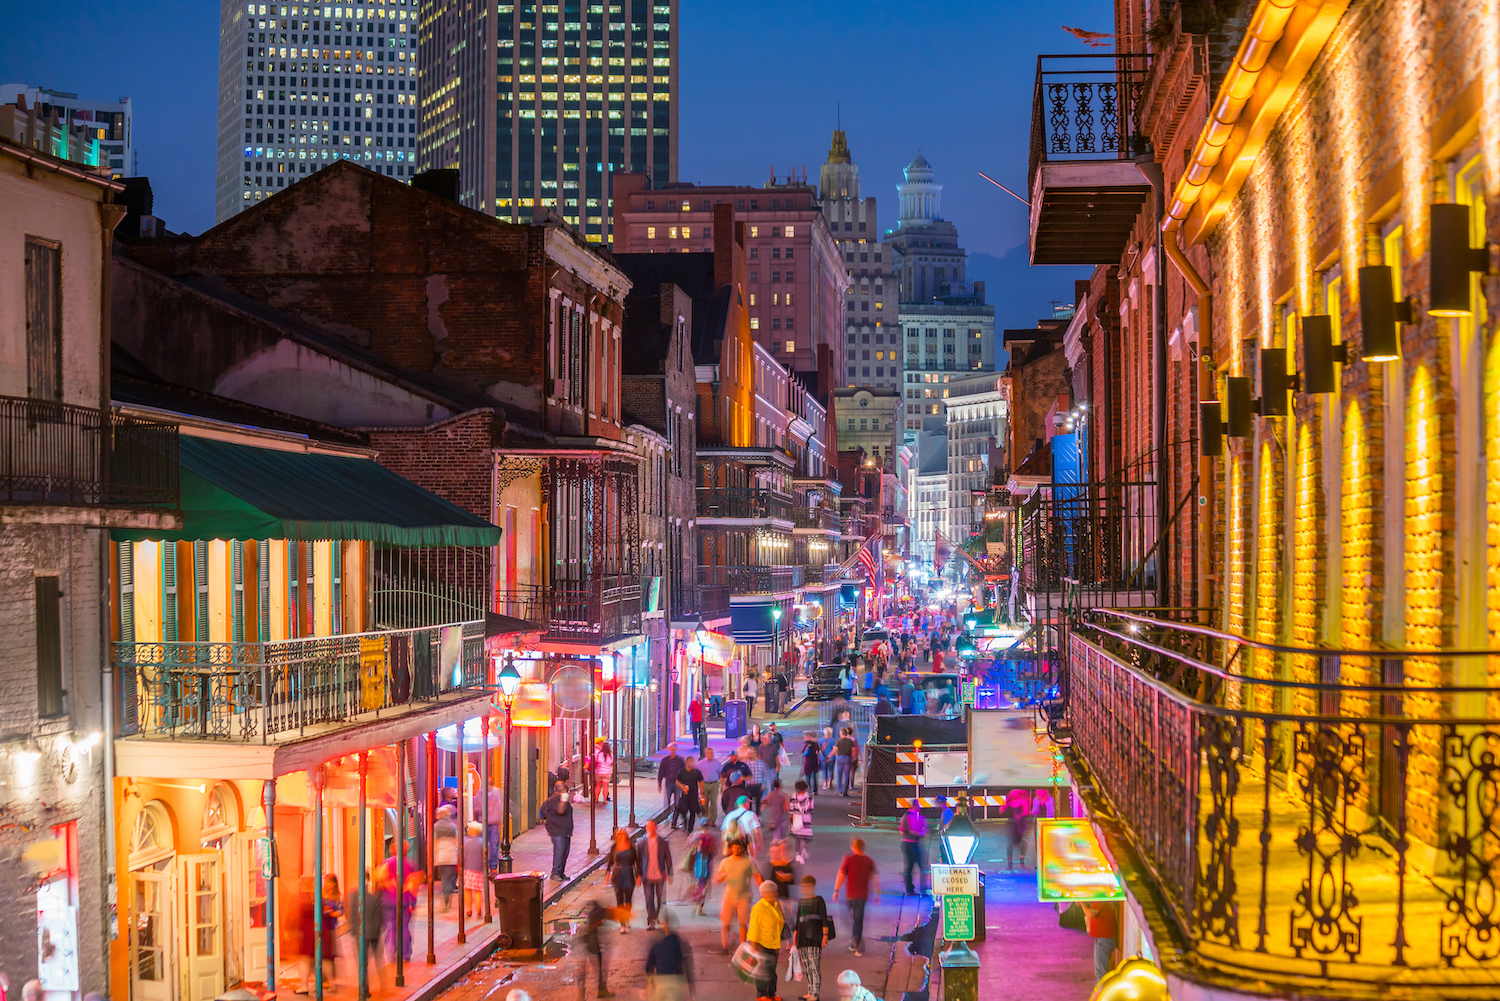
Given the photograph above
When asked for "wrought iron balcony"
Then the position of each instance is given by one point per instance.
(250, 691)
(751, 580)
(593, 608)
(744, 502)
(1315, 821)
(54, 453)
(820, 518)
(1085, 188)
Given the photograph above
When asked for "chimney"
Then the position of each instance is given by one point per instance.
(443, 183)
(727, 234)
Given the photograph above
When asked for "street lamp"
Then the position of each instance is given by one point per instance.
(960, 964)
(510, 680)
(775, 644)
(960, 841)
(701, 635)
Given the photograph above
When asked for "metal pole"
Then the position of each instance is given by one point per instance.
(463, 836)
(317, 778)
(484, 781)
(614, 764)
(364, 972)
(431, 842)
(400, 861)
(632, 741)
(268, 801)
(593, 779)
(505, 861)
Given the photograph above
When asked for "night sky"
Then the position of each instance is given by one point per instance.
(761, 86)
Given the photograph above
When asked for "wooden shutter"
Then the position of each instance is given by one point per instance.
(336, 602)
(200, 591)
(236, 591)
(127, 592)
(43, 319)
(263, 591)
(49, 681)
(169, 629)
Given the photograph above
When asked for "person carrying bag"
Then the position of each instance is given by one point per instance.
(814, 930)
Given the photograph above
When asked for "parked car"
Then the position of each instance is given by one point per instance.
(825, 684)
(874, 635)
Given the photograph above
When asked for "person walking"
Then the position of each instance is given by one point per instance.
(698, 728)
(742, 824)
(766, 925)
(914, 847)
(801, 808)
(593, 920)
(710, 769)
(365, 918)
(702, 849)
(811, 931)
(1102, 923)
(826, 749)
(812, 762)
(656, 871)
(689, 795)
(737, 873)
(473, 870)
(624, 869)
(669, 964)
(760, 776)
(604, 768)
(496, 801)
(859, 879)
(445, 853)
(556, 816)
(666, 780)
(843, 760)
(775, 812)
(749, 691)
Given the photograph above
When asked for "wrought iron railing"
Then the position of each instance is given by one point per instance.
(249, 691)
(54, 453)
(1305, 813)
(744, 502)
(815, 517)
(751, 580)
(594, 607)
(1085, 107)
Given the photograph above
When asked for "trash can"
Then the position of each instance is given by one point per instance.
(518, 898)
(772, 704)
(735, 716)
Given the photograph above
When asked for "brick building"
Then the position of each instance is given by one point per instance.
(795, 273)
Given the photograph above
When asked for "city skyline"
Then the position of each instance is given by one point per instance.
(176, 103)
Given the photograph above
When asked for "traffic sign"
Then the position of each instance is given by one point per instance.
(958, 917)
(955, 879)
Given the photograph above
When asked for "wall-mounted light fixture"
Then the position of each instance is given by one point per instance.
(1318, 355)
(1240, 408)
(1274, 382)
(1210, 428)
(1451, 260)
(1379, 312)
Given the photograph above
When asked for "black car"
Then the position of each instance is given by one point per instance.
(826, 684)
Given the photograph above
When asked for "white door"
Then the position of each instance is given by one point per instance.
(254, 914)
(203, 908)
(153, 950)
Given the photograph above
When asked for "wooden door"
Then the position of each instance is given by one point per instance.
(202, 958)
(153, 951)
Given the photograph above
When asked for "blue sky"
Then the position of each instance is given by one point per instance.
(761, 83)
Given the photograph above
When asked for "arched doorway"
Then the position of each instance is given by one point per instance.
(152, 938)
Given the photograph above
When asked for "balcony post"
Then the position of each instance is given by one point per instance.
(400, 929)
(589, 749)
(484, 781)
(318, 781)
(432, 801)
(268, 803)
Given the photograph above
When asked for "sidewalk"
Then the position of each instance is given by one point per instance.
(531, 851)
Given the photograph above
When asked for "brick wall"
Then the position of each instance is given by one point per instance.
(39, 796)
(452, 458)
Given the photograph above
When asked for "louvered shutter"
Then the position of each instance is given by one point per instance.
(237, 591)
(169, 592)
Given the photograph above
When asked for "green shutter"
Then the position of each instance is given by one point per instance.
(237, 591)
(336, 561)
(263, 591)
(169, 591)
(49, 675)
(200, 590)
(127, 592)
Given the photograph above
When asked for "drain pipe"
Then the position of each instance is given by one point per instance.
(1207, 393)
(1152, 172)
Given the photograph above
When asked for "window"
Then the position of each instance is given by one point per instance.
(754, 323)
(790, 251)
(754, 230)
(43, 319)
(791, 346)
(752, 298)
(49, 677)
(789, 298)
(754, 253)
(791, 231)
(672, 233)
(650, 232)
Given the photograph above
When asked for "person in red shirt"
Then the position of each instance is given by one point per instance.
(1102, 922)
(695, 721)
(858, 878)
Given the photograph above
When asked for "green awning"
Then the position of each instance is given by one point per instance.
(234, 491)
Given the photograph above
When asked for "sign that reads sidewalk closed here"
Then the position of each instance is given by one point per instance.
(951, 879)
(958, 917)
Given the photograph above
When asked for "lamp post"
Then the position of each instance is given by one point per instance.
(510, 680)
(775, 647)
(959, 963)
(701, 635)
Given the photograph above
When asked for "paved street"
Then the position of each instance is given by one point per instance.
(1026, 956)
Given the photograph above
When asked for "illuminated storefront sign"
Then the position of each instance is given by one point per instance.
(1071, 865)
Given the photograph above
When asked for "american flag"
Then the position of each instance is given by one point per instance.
(867, 560)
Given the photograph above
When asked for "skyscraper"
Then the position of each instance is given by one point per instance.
(302, 86)
(870, 317)
(538, 105)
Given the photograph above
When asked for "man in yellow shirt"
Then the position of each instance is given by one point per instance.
(766, 924)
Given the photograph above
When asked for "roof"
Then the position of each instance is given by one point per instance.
(694, 274)
(125, 386)
(232, 490)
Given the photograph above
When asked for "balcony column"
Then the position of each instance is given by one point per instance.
(318, 782)
(432, 801)
(268, 803)
(400, 936)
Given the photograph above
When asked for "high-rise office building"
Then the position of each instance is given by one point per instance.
(110, 122)
(871, 331)
(302, 86)
(538, 105)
